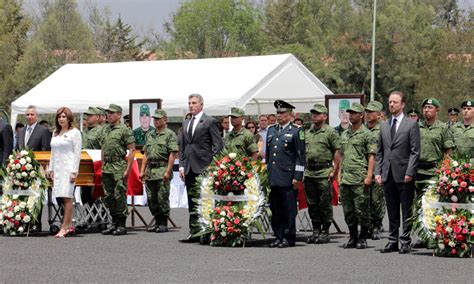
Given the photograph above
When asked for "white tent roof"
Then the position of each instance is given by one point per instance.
(252, 83)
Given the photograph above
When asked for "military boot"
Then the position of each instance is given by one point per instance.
(376, 233)
(121, 230)
(163, 225)
(314, 237)
(324, 236)
(362, 242)
(111, 228)
(155, 226)
(352, 243)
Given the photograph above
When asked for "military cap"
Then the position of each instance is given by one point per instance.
(413, 111)
(114, 108)
(159, 113)
(93, 110)
(144, 109)
(102, 110)
(126, 117)
(319, 108)
(430, 101)
(374, 106)
(344, 104)
(356, 107)
(467, 103)
(237, 112)
(282, 106)
(453, 110)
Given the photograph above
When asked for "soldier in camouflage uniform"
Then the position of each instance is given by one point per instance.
(91, 139)
(358, 149)
(140, 132)
(322, 147)
(344, 105)
(159, 150)
(240, 140)
(115, 169)
(377, 200)
(102, 116)
(436, 142)
(463, 133)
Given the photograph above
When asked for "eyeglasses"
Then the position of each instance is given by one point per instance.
(251, 127)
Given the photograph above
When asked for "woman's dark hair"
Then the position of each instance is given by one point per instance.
(254, 124)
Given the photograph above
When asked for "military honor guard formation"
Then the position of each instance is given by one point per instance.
(379, 165)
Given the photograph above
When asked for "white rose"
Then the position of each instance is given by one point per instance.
(222, 213)
(21, 229)
(11, 161)
(449, 229)
(22, 161)
(222, 226)
(455, 183)
(33, 174)
(454, 198)
(10, 158)
(17, 166)
(441, 246)
(223, 234)
(5, 199)
(221, 219)
(24, 174)
(29, 167)
(15, 196)
(28, 159)
(455, 163)
(25, 184)
(451, 244)
(16, 208)
(27, 219)
(18, 218)
(223, 166)
(18, 175)
(242, 173)
(24, 153)
(22, 205)
(16, 182)
(232, 155)
(10, 214)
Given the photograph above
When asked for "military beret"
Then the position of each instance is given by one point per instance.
(282, 106)
(114, 108)
(374, 106)
(430, 101)
(93, 111)
(237, 112)
(356, 107)
(453, 110)
(467, 103)
(319, 108)
(159, 113)
(144, 109)
(413, 111)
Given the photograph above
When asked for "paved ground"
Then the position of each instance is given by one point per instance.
(150, 257)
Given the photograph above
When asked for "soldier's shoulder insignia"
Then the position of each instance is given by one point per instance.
(301, 135)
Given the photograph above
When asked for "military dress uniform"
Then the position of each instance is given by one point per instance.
(377, 199)
(452, 112)
(139, 133)
(285, 158)
(435, 140)
(321, 144)
(464, 137)
(114, 150)
(356, 146)
(157, 148)
(242, 142)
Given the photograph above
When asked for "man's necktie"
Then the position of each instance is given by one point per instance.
(28, 133)
(393, 129)
(190, 128)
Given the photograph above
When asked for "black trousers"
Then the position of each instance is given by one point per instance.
(399, 195)
(284, 209)
(193, 194)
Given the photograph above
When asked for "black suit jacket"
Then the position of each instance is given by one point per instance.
(196, 152)
(400, 155)
(6, 141)
(40, 139)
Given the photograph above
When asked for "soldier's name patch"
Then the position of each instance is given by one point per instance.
(289, 135)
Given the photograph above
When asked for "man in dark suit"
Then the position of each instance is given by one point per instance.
(285, 161)
(6, 141)
(37, 138)
(34, 136)
(397, 157)
(199, 141)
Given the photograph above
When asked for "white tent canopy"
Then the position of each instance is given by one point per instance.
(252, 83)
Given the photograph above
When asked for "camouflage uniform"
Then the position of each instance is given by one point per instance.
(321, 144)
(464, 141)
(157, 148)
(114, 150)
(356, 146)
(241, 142)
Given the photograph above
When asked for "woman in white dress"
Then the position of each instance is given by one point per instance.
(64, 164)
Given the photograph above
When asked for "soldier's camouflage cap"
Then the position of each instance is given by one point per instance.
(344, 104)
(319, 108)
(93, 111)
(114, 108)
(237, 112)
(102, 110)
(431, 101)
(144, 109)
(159, 113)
(468, 103)
(356, 107)
(374, 106)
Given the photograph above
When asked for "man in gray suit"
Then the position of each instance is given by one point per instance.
(6, 141)
(396, 161)
(199, 141)
(34, 136)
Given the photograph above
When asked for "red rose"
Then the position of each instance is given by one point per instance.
(218, 210)
(472, 233)
(238, 163)
(446, 241)
(454, 251)
(463, 184)
(231, 168)
(243, 169)
(213, 237)
(17, 224)
(236, 221)
(16, 161)
(460, 238)
(23, 168)
(249, 175)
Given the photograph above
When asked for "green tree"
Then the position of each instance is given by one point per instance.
(216, 28)
(121, 43)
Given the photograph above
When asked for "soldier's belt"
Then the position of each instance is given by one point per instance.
(316, 166)
(113, 159)
(427, 166)
(157, 163)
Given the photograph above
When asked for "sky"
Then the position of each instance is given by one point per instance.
(144, 15)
